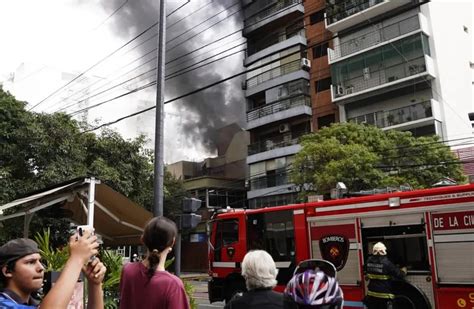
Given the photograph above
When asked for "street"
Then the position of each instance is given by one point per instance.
(200, 294)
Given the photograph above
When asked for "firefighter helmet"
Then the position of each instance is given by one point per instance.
(379, 249)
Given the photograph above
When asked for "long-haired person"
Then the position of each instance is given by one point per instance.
(146, 284)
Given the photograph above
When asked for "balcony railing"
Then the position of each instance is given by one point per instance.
(383, 119)
(278, 179)
(280, 141)
(343, 9)
(281, 36)
(370, 79)
(280, 5)
(284, 69)
(373, 38)
(278, 106)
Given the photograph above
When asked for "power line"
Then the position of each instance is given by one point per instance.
(295, 22)
(103, 59)
(169, 76)
(202, 22)
(94, 65)
(192, 13)
(113, 13)
(178, 8)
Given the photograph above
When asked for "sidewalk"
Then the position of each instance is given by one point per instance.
(195, 276)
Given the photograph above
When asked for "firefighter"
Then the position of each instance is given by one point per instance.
(381, 271)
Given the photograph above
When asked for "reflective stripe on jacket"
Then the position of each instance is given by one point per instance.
(381, 272)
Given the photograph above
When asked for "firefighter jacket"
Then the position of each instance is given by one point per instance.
(381, 272)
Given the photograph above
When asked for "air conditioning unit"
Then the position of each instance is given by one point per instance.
(305, 64)
(244, 85)
(339, 90)
(366, 72)
(285, 127)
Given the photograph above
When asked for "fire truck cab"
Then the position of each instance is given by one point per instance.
(431, 232)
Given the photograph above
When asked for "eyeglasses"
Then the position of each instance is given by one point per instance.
(326, 267)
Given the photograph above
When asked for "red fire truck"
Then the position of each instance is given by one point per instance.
(429, 231)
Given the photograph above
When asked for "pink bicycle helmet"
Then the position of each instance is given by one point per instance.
(314, 288)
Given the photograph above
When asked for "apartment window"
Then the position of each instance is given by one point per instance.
(316, 17)
(320, 50)
(325, 121)
(322, 84)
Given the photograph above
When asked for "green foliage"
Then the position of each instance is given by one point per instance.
(365, 157)
(55, 258)
(188, 287)
(113, 262)
(38, 150)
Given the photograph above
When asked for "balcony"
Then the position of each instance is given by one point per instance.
(280, 141)
(273, 77)
(279, 110)
(415, 70)
(342, 14)
(278, 178)
(273, 44)
(367, 40)
(279, 10)
(415, 114)
(386, 68)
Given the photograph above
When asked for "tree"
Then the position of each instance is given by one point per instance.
(38, 150)
(365, 157)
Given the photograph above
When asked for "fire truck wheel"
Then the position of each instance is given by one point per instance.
(233, 288)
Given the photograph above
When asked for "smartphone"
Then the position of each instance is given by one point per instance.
(80, 230)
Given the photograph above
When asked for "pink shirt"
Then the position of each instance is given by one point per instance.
(162, 291)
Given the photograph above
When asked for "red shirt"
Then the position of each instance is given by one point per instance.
(161, 291)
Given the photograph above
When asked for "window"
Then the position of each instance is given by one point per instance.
(326, 121)
(406, 245)
(274, 233)
(316, 17)
(322, 84)
(320, 50)
(227, 232)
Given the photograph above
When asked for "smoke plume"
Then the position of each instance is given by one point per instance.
(206, 111)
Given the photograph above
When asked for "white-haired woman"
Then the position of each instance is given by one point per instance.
(259, 271)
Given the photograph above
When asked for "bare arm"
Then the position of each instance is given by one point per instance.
(95, 272)
(81, 249)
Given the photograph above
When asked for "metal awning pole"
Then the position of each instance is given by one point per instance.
(90, 200)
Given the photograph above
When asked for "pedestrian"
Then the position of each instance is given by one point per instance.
(259, 271)
(146, 284)
(313, 286)
(22, 274)
(381, 272)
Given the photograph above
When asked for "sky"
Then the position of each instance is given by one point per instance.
(47, 43)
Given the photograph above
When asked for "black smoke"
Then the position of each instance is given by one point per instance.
(205, 112)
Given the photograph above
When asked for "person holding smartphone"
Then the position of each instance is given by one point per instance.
(22, 274)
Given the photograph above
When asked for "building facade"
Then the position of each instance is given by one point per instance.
(393, 65)
(396, 64)
(277, 92)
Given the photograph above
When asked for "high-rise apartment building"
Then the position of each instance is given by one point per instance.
(278, 96)
(402, 64)
(396, 64)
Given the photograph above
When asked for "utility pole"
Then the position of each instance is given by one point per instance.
(159, 124)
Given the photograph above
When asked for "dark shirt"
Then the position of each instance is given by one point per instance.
(381, 273)
(9, 299)
(257, 299)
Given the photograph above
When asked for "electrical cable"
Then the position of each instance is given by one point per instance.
(178, 8)
(192, 13)
(93, 66)
(113, 13)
